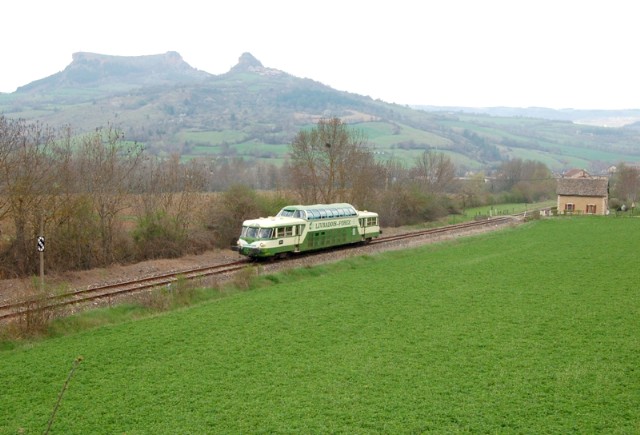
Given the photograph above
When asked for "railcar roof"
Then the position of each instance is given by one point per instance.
(317, 206)
(271, 222)
(366, 213)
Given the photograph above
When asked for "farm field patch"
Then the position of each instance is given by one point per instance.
(526, 330)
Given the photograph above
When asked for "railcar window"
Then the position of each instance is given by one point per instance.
(286, 213)
(323, 213)
(284, 231)
(298, 214)
(265, 233)
(314, 213)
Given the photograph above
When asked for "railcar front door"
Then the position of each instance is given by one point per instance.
(298, 239)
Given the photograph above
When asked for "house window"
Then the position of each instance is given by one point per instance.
(591, 208)
(569, 207)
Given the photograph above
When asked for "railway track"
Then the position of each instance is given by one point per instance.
(110, 291)
(446, 229)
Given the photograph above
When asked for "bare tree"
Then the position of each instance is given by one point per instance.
(170, 186)
(9, 140)
(106, 164)
(329, 163)
(526, 180)
(435, 172)
(626, 183)
(230, 209)
(75, 225)
(169, 192)
(509, 174)
(472, 191)
(25, 184)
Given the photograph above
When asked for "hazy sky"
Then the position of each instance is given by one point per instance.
(520, 53)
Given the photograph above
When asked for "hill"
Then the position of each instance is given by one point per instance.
(253, 111)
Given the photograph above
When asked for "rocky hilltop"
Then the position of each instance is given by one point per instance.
(249, 64)
(91, 70)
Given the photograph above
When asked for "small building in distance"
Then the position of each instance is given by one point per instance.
(576, 173)
(583, 195)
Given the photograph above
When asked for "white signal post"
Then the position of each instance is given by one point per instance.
(40, 247)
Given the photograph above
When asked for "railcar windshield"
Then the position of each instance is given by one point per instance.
(250, 232)
(286, 213)
(256, 233)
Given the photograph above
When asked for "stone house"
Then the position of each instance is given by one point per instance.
(583, 196)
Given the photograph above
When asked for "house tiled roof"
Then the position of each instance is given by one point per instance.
(583, 186)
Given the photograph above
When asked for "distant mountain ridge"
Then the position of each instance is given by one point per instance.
(604, 118)
(254, 112)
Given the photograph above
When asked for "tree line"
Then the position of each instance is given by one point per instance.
(100, 199)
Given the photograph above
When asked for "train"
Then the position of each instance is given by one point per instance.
(302, 228)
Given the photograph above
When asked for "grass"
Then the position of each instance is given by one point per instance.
(528, 330)
(510, 208)
(212, 138)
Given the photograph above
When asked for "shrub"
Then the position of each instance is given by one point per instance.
(158, 235)
(36, 315)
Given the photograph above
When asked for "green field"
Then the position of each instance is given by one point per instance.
(533, 329)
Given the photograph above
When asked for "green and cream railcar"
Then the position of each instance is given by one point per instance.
(300, 228)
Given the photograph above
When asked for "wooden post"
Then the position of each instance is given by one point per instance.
(42, 272)
(41, 251)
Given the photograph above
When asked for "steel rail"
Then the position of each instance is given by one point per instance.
(89, 294)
